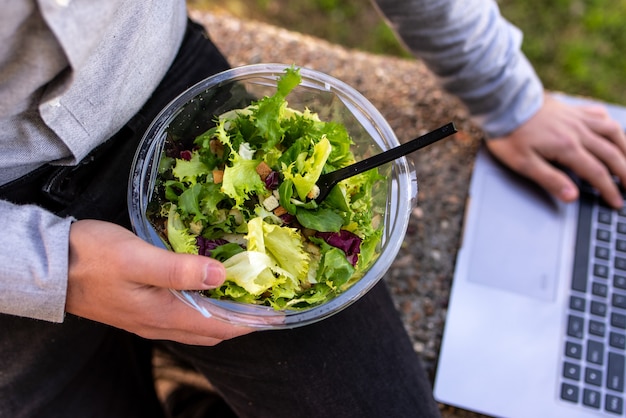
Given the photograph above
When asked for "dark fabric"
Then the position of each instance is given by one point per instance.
(189, 401)
(77, 369)
(358, 363)
(80, 368)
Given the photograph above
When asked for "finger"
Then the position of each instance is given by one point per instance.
(537, 169)
(608, 153)
(167, 269)
(176, 321)
(553, 180)
(186, 337)
(589, 168)
(183, 338)
(199, 338)
(599, 121)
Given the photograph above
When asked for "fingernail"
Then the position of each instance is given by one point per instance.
(568, 193)
(214, 275)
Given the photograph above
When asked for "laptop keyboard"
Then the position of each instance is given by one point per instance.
(594, 360)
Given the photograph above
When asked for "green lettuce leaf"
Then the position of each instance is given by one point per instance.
(305, 171)
(225, 251)
(251, 271)
(241, 180)
(323, 220)
(189, 171)
(189, 202)
(334, 269)
(178, 235)
(282, 244)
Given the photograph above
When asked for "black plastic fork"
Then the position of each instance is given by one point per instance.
(327, 181)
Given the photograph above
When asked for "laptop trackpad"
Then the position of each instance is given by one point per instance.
(515, 242)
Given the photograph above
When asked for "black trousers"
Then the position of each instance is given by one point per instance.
(358, 363)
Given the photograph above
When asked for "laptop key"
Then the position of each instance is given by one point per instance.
(575, 326)
(577, 303)
(571, 370)
(591, 398)
(605, 217)
(593, 376)
(597, 328)
(619, 281)
(599, 289)
(615, 372)
(617, 340)
(620, 263)
(599, 270)
(598, 308)
(619, 301)
(573, 350)
(620, 245)
(602, 252)
(603, 235)
(618, 320)
(621, 227)
(614, 404)
(595, 352)
(569, 392)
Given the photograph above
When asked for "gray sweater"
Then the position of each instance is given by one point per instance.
(73, 72)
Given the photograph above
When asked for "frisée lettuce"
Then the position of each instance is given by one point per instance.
(242, 192)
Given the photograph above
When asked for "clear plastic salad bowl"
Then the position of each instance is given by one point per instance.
(195, 110)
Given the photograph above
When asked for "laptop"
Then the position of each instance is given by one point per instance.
(536, 323)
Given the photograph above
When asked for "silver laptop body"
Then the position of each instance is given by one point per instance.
(510, 343)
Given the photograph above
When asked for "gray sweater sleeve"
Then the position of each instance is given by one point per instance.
(475, 53)
(33, 268)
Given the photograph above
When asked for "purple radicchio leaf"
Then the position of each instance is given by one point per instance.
(205, 246)
(287, 218)
(185, 155)
(346, 241)
(272, 180)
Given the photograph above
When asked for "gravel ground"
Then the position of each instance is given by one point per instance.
(412, 102)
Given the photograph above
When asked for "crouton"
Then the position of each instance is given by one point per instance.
(270, 203)
(263, 169)
(216, 147)
(314, 192)
(218, 176)
(280, 211)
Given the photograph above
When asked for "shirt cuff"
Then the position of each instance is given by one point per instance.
(33, 262)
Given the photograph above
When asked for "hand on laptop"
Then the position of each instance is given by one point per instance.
(584, 139)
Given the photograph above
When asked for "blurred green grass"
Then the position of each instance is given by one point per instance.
(576, 46)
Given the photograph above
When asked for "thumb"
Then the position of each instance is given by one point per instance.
(183, 271)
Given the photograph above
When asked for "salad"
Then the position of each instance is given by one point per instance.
(242, 193)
